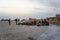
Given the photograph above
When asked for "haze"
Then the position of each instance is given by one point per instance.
(29, 8)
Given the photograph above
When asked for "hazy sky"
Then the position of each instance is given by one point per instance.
(41, 8)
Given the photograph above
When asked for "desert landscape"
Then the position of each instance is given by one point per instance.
(19, 32)
(29, 19)
(28, 32)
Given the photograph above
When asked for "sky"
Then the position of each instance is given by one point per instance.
(29, 8)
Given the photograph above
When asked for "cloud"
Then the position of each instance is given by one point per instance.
(52, 5)
(55, 3)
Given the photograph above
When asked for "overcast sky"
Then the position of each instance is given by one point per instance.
(29, 8)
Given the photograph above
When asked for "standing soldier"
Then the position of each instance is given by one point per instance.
(16, 21)
(9, 21)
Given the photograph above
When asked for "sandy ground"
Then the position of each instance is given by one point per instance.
(20, 32)
(53, 33)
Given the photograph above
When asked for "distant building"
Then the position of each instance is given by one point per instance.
(57, 15)
(54, 20)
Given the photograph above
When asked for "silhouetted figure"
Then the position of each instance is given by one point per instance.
(9, 21)
(34, 22)
(39, 21)
(42, 22)
(16, 20)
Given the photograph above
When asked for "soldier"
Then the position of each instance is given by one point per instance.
(9, 21)
(42, 22)
(16, 21)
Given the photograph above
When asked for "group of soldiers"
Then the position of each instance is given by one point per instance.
(16, 20)
(43, 22)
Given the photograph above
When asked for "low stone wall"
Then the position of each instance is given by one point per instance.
(57, 22)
